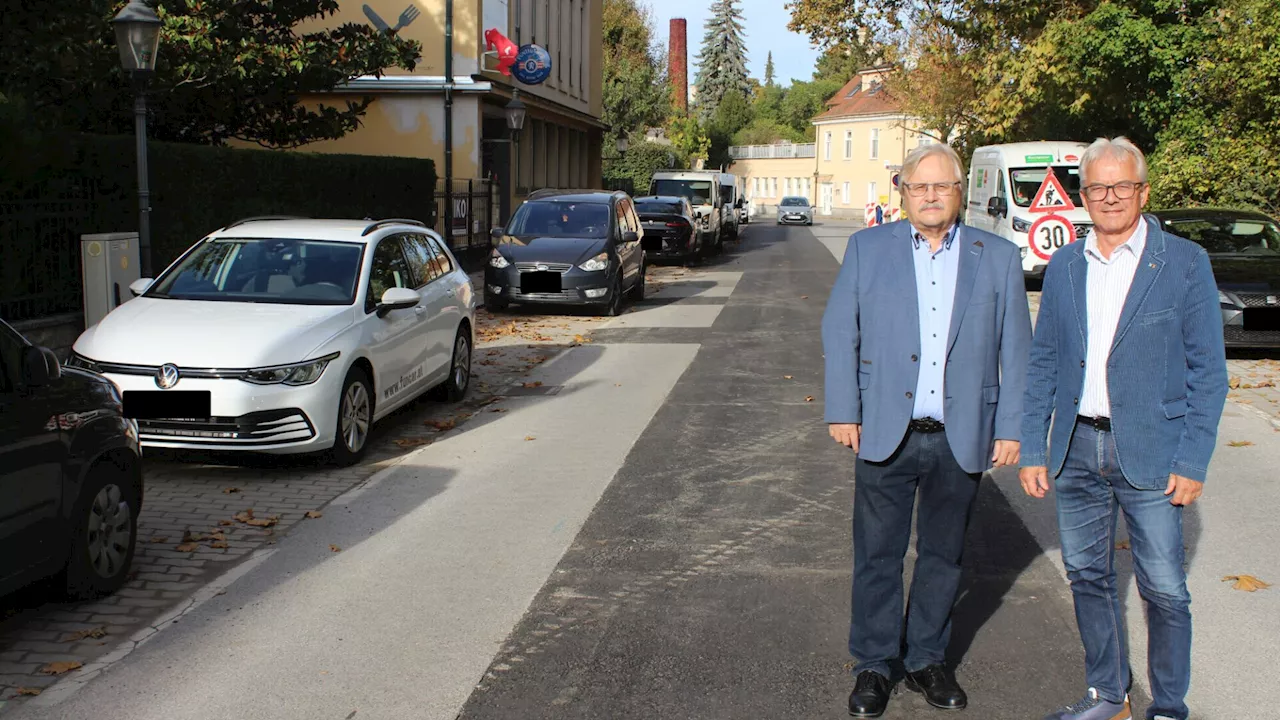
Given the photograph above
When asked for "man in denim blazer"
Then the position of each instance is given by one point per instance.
(1128, 358)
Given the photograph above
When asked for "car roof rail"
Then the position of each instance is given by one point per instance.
(256, 218)
(390, 221)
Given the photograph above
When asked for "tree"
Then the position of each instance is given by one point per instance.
(722, 62)
(843, 60)
(641, 161)
(768, 71)
(635, 94)
(938, 80)
(731, 115)
(226, 69)
(688, 138)
(766, 132)
(804, 100)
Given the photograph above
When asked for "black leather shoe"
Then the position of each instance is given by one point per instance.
(870, 695)
(938, 686)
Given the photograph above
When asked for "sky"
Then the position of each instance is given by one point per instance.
(764, 24)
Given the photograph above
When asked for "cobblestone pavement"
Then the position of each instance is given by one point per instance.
(204, 514)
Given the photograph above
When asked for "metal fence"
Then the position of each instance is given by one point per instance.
(475, 213)
(40, 237)
(778, 151)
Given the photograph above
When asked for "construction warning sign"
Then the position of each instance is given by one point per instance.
(1051, 197)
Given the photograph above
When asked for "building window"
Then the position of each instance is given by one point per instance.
(582, 50)
(826, 146)
(875, 143)
(922, 140)
(871, 193)
(844, 193)
(808, 187)
(848, 144)
(773, 187)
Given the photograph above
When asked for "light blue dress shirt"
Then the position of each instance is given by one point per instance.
(936, 292)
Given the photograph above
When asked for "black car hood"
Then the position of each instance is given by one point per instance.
(1246, 272)
(523, 248)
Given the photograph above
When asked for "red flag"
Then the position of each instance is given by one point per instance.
(494, 40)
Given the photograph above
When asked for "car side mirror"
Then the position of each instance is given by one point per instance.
(997, 207)
(40, 366)
(498, 233)
(139, 286)
(630, 236)
(397, 298)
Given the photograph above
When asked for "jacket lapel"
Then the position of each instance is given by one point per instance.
(970, 257)
(1149, 267)
(1079, 271)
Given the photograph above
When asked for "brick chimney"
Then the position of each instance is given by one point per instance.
(678, 58)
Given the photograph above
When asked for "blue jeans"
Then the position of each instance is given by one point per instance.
(1090, 490)
(884, 494)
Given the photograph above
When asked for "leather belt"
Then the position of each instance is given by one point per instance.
(1097, 423)
(926, 425)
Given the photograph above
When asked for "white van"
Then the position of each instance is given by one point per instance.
(703, 190)
(1003, 181)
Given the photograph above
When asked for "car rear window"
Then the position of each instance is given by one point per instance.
(659, 208)
(1228, 234)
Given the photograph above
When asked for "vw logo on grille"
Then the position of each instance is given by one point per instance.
(167, 376)
(542, 267)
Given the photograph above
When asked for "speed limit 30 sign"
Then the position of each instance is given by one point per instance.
(1050, 233)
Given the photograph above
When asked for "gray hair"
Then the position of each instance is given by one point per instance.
(1118, 148)
(915, 157)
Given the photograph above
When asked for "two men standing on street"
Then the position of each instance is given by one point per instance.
(932, 378)
(926, 335)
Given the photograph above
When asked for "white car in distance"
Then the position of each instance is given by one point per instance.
(288, 335)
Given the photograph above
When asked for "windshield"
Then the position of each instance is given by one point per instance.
(795, 202)
(1026, 183)
(1229, 234)
(265, 270)
(698, 192)
(659, 208)
(561, 219)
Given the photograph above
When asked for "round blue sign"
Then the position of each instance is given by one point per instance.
(533, 65)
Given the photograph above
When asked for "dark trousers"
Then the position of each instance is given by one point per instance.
(884, 495)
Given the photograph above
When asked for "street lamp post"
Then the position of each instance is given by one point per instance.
(515, 111)
(138, 38)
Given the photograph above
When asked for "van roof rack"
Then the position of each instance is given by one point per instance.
(256, 218)
(391, 221)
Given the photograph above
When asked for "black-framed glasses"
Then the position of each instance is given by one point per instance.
(921, 189)
(1123, 190)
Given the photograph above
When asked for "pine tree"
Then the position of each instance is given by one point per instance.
(722, 63)
(768, 71)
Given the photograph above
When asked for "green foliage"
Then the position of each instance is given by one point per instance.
(766, 132)
(731, 115)
(688, 138)
(226, 69)
(722, 63)
(641, 161)
(804, 100)
(843, 60)
(769, 79)
(636, 95)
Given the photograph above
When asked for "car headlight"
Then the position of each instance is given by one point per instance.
(597, 263)
(76, 360)
(303, 373)
(496, 260)
(1020, 225)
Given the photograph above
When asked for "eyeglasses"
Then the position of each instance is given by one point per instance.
(1123, 190)
(921, 189)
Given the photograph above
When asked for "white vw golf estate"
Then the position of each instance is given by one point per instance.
(286, 335)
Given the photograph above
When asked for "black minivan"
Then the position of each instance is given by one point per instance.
(70, 474)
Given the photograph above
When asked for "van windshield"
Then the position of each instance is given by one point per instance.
(1026, 182)
(698, 192)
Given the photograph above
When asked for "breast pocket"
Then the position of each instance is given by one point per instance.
(1159, 316)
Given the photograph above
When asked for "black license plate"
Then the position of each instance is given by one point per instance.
(651, 243)
(1261, 319)
(540, 282)
(167, 404)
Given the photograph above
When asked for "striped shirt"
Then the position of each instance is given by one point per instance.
(1107, 287)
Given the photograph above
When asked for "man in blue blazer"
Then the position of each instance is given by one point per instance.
(1128, 359)
(926, 335)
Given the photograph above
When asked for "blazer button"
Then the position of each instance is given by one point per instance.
(1075, 401)
(914, 358)
(1081, 363)
(908, 396)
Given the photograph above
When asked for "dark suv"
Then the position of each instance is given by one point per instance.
(70, 474)
(568, 247)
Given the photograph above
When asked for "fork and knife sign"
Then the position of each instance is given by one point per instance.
(410, 14)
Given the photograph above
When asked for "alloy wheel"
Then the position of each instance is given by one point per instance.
(110, 531)
(355, 416)
(461, 363)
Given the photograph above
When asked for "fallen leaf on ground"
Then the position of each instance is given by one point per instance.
(96, 633)
(334, 548)
(1239, 443)
(159, 539)
(529, 437)
(189, 536)
(219, 535)
(787, 377)
(315, 514)
(231, 490)
(412, 442)
(1247, 583)
(1122, 545)
(264, 522)
(493, 353)
(1233, 383)
(441, 425)
(808, 398)
(218, 545)
(29, 691)
(187, 547)
(498, 410)
(58, 668)
(534, 384)
(226, 523)
(244, 515)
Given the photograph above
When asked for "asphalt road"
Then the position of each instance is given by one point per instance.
(660, 529)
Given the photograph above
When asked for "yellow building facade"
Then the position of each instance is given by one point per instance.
(559, 145)
(861, 140)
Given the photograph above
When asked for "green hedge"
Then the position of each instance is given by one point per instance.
(196, 189)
